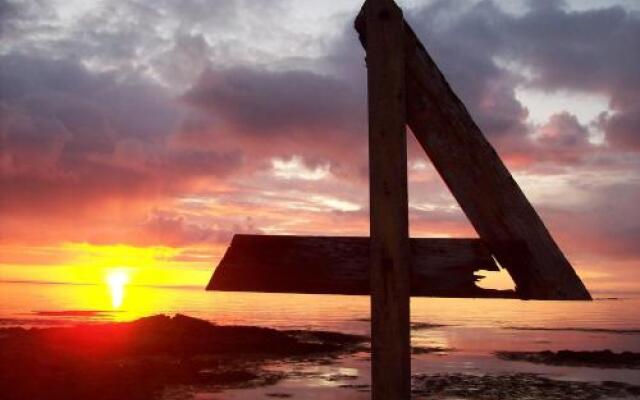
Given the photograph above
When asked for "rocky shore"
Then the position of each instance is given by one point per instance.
(593, 359)
(515, 386)
(163, 357)
(148, 357)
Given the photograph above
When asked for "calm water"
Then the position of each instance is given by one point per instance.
(473, 328)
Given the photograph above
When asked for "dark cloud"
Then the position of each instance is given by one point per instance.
(7, 11)
(550, 48)
(579, 50)
(593, 51)
(562, 141)
(86, 103)
(71, 138)
(262, 102)
(465, 44)
(271, 114)
(623, 128)
(563, 130)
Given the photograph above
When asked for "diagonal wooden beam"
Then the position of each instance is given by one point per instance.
(480, 182)
(340, 265)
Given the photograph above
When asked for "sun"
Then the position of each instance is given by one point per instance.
(116, 280)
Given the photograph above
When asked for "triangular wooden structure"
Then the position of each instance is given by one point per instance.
(508, 226)
(405, 87)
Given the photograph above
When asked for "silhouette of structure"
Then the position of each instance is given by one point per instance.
(406, 87)
(340, 265)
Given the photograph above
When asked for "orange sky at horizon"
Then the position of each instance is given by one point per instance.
(157, 254)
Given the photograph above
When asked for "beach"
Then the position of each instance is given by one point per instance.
(462, 348)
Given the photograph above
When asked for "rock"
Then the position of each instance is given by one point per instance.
(139, 359)
(593, 359)
(515, 386)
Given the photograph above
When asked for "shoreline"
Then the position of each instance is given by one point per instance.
(177, 357)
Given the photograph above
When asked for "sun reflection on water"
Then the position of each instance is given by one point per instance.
(117, 280)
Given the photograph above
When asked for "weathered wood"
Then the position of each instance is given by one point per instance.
(482, 185)
(388, 204)
(340, 265)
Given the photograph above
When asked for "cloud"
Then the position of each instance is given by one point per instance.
(605, 226)
(270, 115)
(7, 11)
(296, 168)
(465, 44)
(168, 229)
(73, 139)
(586, 51)
(486, 52)
(623, 128)
(562, 142)
(262, 102)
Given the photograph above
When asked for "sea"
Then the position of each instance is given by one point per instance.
(465, 334)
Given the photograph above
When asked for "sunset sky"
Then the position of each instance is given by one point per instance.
(140, 135)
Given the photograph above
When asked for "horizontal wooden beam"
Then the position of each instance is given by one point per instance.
(487, 193)
(340, 265)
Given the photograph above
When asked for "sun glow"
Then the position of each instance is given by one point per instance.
(116, 280)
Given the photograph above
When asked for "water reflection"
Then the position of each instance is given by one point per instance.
(116, 280)
(345, 313)
(470, 330)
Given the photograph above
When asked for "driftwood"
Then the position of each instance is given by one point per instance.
(482, 185)
(340, 265)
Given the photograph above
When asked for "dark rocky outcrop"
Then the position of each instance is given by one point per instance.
(595, 359)
(140, 359)
(516, 386)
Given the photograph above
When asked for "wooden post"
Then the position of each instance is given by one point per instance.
(477, 178)
(390, 340)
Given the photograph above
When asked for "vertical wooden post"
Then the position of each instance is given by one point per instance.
(390, 333)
